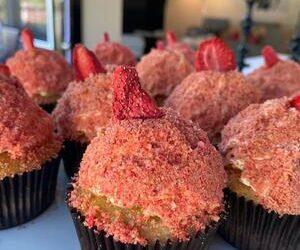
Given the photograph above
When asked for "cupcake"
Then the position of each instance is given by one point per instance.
(276, 78)
(28, 155)
(179, 47)
(150, 180)
(113, 53)
(215, 93)
(162, 70)
(85, 107)
(44, 74)
(261, 147)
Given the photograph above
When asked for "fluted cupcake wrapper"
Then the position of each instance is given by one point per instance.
(249, 226)
(72, 156)
(24, 197)
(91, 239)
(48, 107)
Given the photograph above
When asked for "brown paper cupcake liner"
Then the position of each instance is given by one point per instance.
(249, 226)
(24, 197)
(48, 107)
(91, 239)
(72, 155)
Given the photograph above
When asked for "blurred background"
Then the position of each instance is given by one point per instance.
(59, 24)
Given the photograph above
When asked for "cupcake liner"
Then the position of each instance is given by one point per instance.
(251, 227)
(72, 155)
(48, 107)
(24, 197)
(91, 239)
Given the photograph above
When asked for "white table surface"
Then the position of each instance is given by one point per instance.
(54, 230)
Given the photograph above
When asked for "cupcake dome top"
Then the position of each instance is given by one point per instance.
(42, 72)
(26, 131)
(162, 70)
(86, 105)
(148, 162)
(214, 94)
(179, 47)
(113, 53)
(263, 142)
(276, 78)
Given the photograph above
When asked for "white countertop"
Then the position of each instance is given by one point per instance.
(54, 229)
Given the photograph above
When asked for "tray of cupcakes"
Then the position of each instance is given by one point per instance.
(162, 153)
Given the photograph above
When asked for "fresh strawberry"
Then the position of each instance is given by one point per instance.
(160, 45)
(270, 56)
(171, 38)
(4, 70)
(131, 101)
(295, 102)
(27, 39)
(214, 54)
(105, 37)
(85, 63)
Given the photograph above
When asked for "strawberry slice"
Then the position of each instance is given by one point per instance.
(27, 39)
(171, 38)
(295, 102)
(105, 37)
(160, 45)
(4, 70)
(85, 63)
(270, 56)
(131, 101)
(214, 54)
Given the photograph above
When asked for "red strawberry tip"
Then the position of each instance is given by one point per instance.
(130, 100)
(270, 56)
(214, 54)
(160, 45)
(171, 38)
(85, 63)
(105, 37)
(295, 102)
(27, 39)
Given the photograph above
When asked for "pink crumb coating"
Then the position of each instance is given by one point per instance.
(165, 166)
(282, 79)
(41, 71)
(211, 98)
(265, 140)
(26, 131)
(161, 71)
(113, 53)
(84, 108)
(183, 48)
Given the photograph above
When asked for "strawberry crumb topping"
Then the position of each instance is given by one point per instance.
(270, 56)
(166, 167)
(85, 63)
(264, 139)
(131, 101)
(214, 54)
(26, 131)
(113, 53)
(4, 70)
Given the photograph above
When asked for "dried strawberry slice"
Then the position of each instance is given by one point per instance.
(4, 70)
(270, 56)
(171, 38)
(27, 39)
(105, 37)
(295, 102)
(160, 45)
(214, 54)
(85, 63)
(131, 101)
